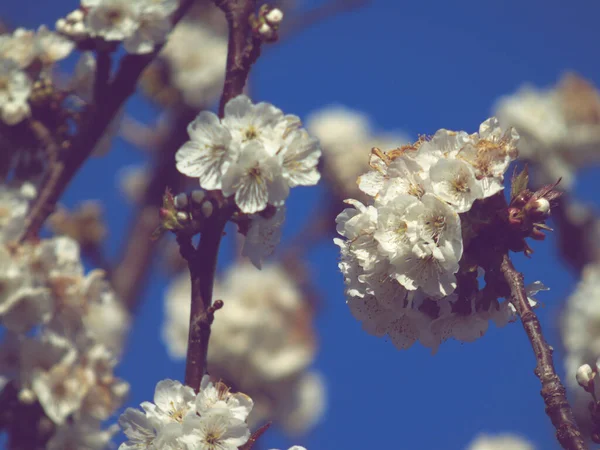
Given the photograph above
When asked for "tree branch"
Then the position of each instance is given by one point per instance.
(95, 123)
(553, 392)
(243, 47)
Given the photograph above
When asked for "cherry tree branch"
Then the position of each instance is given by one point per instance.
(243, 50)
(109, 96)
(553, 392)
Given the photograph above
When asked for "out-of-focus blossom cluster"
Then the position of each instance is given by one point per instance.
(344, 134)
(141, 25)
(559, 126)
(580, 329)
(26, 60)
(505, 441)
(402, 251)
(255, 154)
(179, 418)
(262, 342)
(64, 330)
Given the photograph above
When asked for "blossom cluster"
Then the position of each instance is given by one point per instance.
(344, 134)
(26, 58)
(64, 330)
(261, 342)
(180, 418)
(141, 25)
(559, 126)
(402, 251)
(255, 153)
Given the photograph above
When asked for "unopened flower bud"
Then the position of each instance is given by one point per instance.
(274, 17)
(266, 31)
(182, 216)
(198, 196)
(181, 201)
(207, 209)
(539, 209)
(78, 28)
(585, 376)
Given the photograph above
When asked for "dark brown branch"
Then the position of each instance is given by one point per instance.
(553, 392)
(202, 262)
(243, 48)
(95, 123)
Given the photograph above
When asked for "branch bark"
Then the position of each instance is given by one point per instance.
(112, 95)
(553, 392)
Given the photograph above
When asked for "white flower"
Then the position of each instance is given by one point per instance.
(256, 180)
(51, 47)
(172, 402)
(15, 87)
(217, 396)
(61, 390)
(215, 430)
(263, 236)
(82, 433)
(454, 181)
(209, 153)
(18, 47)
(114, 20)
(141, 430)
(261, 122)
(299, 160)
(154, 24)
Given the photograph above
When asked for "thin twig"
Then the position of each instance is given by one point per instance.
(243, 48)
(98, 119)
(553, 392)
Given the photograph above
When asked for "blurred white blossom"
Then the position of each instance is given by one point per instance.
(559, 126)
(262, 342)
(64, 330)
(196, 71)
(505, 441)
(18, 53)
(142, 25)
(400, 251)
(345, 135)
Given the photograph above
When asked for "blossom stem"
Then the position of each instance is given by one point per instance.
(95, 123)
(553, 392)
(202, 263)
(243, 48)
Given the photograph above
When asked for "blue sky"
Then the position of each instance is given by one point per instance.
(414, 66)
